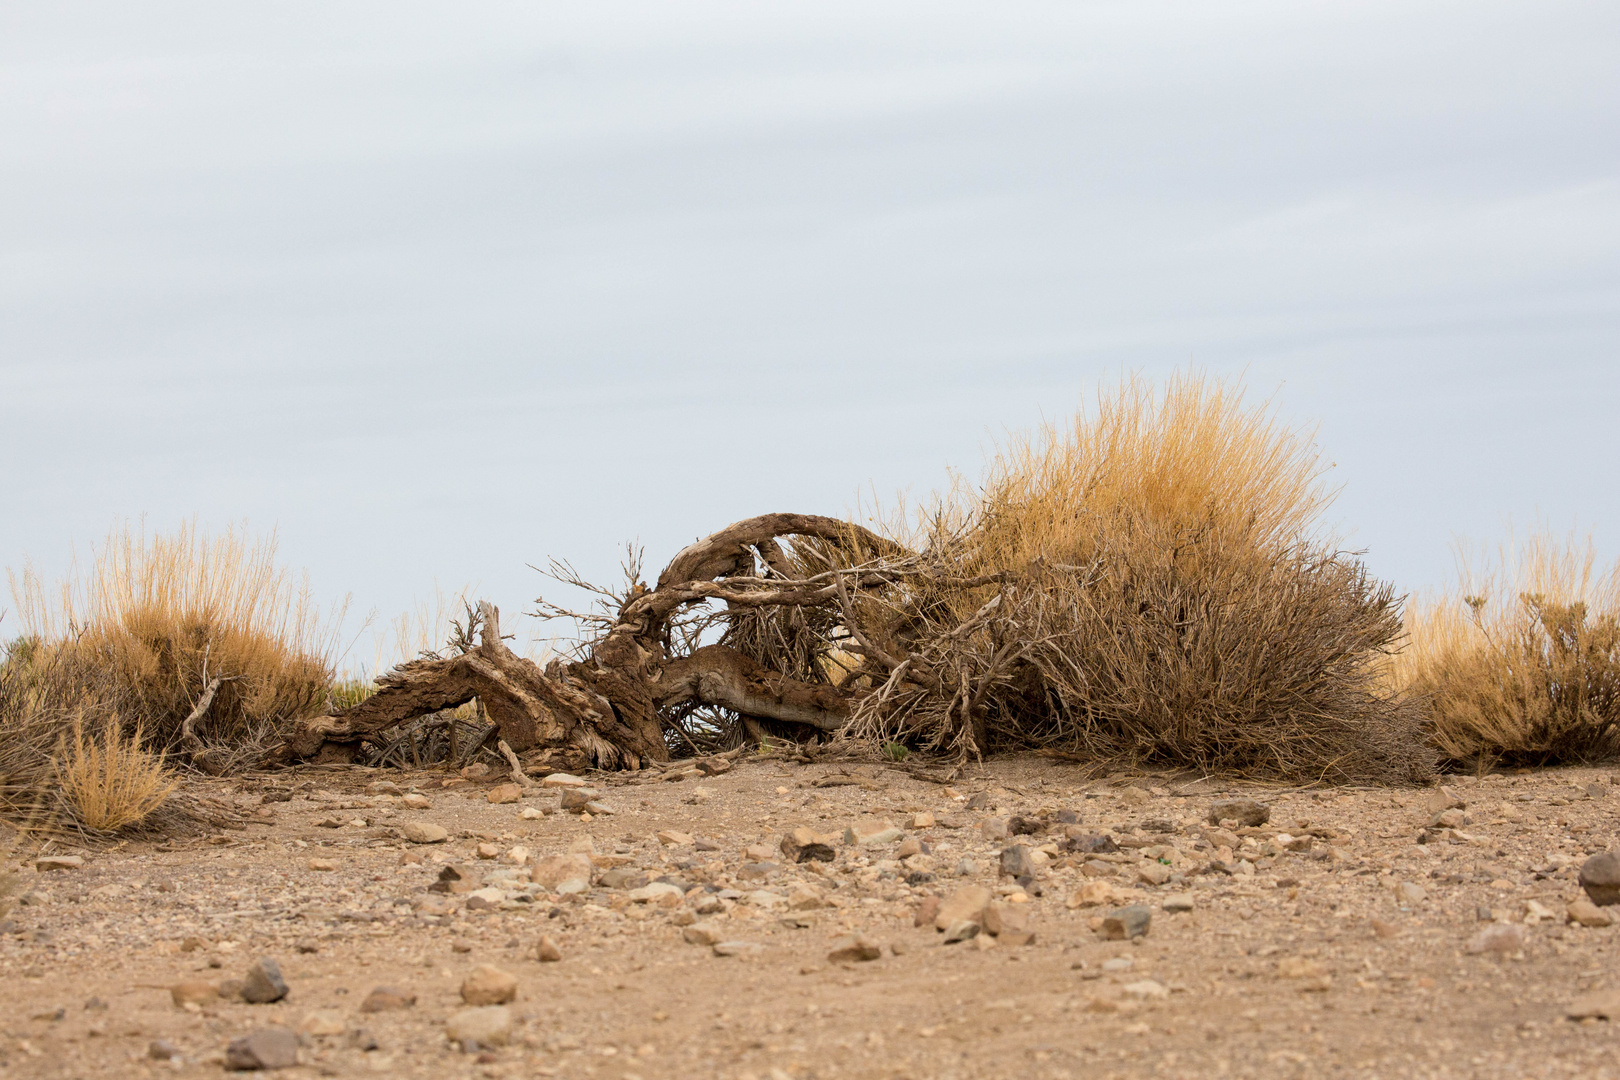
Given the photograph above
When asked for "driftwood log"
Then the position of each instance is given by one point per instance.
(612, 707)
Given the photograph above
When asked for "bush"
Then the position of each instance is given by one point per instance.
(111, 782)
(1161, 596)
(1520, 663)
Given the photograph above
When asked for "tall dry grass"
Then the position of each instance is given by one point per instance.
(1167, 594)
(1520, 661)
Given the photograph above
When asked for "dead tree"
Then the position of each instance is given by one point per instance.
(612, 707)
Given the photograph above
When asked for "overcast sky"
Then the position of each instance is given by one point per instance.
(439, 290)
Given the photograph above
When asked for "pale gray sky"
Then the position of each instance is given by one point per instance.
(442, 289)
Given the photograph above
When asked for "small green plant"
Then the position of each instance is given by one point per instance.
(896, 751)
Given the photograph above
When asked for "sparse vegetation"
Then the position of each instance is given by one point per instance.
(1520, 663)
(111, 781)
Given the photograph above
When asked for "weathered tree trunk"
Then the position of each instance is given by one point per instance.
(610, 708)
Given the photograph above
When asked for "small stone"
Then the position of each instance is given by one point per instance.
(267, 1048)
(1500, 939)
(656, 891)
(1125, 923)
(1298, 967)
(968, 903)
(854, 948)
(1246, 812)
(387, 999)
(994, 828)
(322, 1022)
(50, 863)
(569, 873)
(476, 771)
(482, 1026)
(489, 985)
(529, 813)
(562, 779)
(263, 983)
(1146, 989)
(230, 990)
(804, 898)
(922, 820)
(489, 851)
(162, 1050)
(1001, 918)
(1387, 929)
(485, 899)
(926, 910)
(1442, 799)
(1016, 863)
(1447, 819)
(382, 787)
(1603, 1005)
(195, 992)
(1135, 796)
(577, 798)
(425, 832)
(1600, 877)
(1588, 914)
(416, 801)
(322, 864)
(804, 845)
(984, 942)
(961, 930)
(547, 951)
(737, 948)
(1179, 902)
(703, 933)
(869, 832)
(1016, 938)
(504, 793)
(675, 838)
(1091, 894)
(1153, 873)
(1408, 892)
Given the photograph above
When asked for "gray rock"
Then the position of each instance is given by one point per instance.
(1016, 863)
(1500, 938)
(1600, 877)
(1127, 922)
(961, 930)
(267, 1048)
(486, 1025)
(425, 832)
(1243, 811)
(263, 983)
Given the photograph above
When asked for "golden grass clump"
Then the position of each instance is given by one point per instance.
(1520, 663)
(1163, 595)
(111, 782)
(154, 619)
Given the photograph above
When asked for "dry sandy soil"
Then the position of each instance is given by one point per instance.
(1311, 962)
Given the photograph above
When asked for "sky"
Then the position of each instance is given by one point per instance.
(438, 291)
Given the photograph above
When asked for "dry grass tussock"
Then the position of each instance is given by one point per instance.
(126, 648)
(1147, 583)
(1520, 662)
(110, 782)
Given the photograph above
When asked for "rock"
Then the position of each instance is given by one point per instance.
(1448, 819)
(1408, 892)
(548, 951)
(1091, 894)
(675, 838)
(1603, 1005)
(193, 992)
(1499, 939)
(1243, 811)
(1223, 838)
(961, 930)
(854, 948)
(425, 832)
(1535, 911)
(162, 1050)
(562, 780)
(485, 899)
(1016, 938)
(655, 892)
(476, 771)
(922, 820)
(322, 1022)
(263, 982)
(382, 787)
(1091, 844)
(1389, 930)
(504, 793)
(703, 933)
(757, 871)
(387, 999)
(1000, 918)
(483, 1026)
(1600, 877)
(1298, 967)
(871, 833)
(230, 990)
(488, 851)
(804, 898)
(1135, 796)
(322, 865)
(926, 910)
(968, 903)
(993, 828)
(569, 873)
(1153, 873)
(577, 798)
(529, 813)
(622, 878)
(803, 845)
(267, 1048)
(1588, 914)
(455, 878)
(489, 985)
(1442, 799)
(1146, 989)
(909, 848)
(1125, 923)
(1025, 826)
(49, 863)
(1016, 863)
(737, 948)
(1179, 902)
(416, 801)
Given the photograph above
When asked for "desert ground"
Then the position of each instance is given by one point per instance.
(1366, 932)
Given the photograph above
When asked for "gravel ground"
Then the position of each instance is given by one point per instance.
(1328, 941)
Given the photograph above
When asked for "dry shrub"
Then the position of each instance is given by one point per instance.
(1159, 595)
(144, 630)
(111, 782)
(1521, 662)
